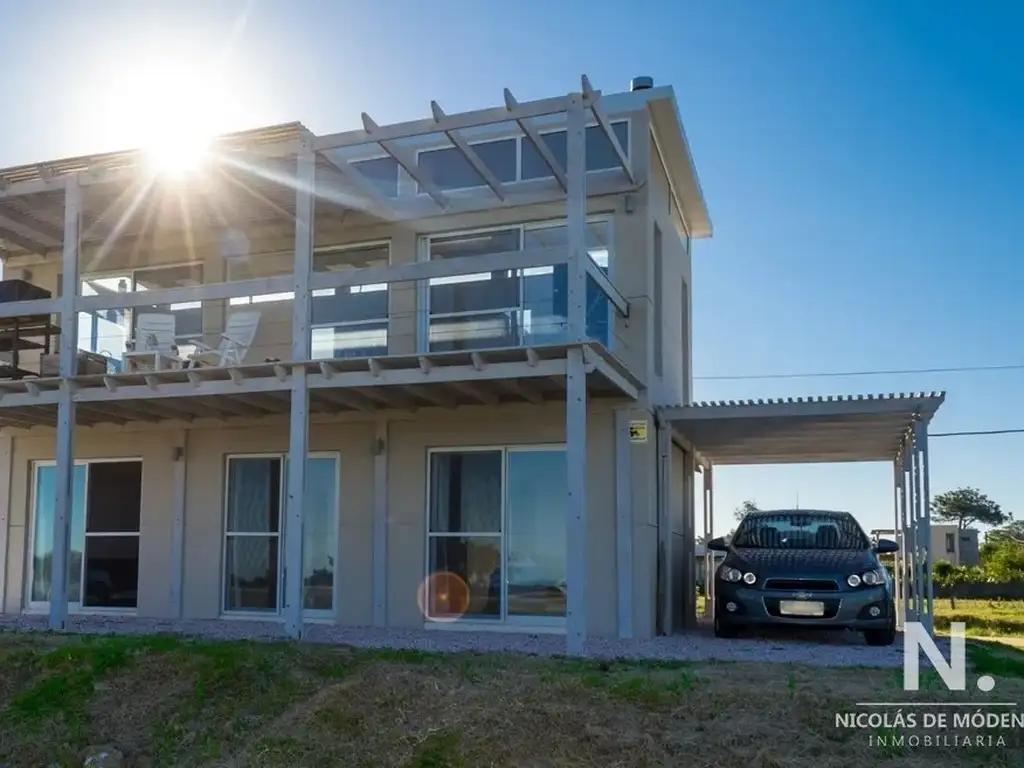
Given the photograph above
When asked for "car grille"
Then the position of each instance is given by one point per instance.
(802, 585)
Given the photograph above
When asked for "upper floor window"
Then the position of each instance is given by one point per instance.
(520, 307)
(351, 321)
(516, 159)
(381, 172)
(449, 169)
(951, 542)
(600, 154)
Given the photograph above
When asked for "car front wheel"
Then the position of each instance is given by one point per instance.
(885, 636)
(725, 629)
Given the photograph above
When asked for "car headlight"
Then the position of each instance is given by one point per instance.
(853, 580)
(750, 578)
(729, 574)
(871, 578)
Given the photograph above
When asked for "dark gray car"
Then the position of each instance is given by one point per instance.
(804, 568)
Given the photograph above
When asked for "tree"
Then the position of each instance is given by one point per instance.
(1002, 554)
(744, 509)
(1013, 532)
(966, 506)
(947, 576)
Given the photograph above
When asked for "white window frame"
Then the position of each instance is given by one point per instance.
(34, 606)
(423, 250)
(503, 619)
(278, 613)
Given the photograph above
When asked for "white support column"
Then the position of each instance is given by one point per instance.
(897, 474)
(298, 435)
(179, 490)
(624, 523)
(380, 525)
(907, 555)
(6, 456)
(667, 575)
(927, 586)
(576, 383)
(919, 543)
(65, 469)
(689, 585)
(709, 556)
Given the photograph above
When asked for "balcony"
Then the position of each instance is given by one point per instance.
(495, 330)
(251, 307)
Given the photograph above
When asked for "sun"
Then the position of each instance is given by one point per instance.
(173, 110)
(178, 151)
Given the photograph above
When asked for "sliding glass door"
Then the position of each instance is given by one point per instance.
(254, 540)
(103, 561)
(496, 535)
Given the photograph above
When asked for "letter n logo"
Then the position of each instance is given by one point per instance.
(917, 639)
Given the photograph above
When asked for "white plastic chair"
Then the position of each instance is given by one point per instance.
(154, 342)
(238, 336)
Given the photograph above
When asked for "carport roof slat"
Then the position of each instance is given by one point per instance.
(802, 430)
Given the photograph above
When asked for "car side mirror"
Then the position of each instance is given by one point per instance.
(718, 545)
(885, 547)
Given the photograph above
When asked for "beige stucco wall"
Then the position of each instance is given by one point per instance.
(410, 436)
(674, 386)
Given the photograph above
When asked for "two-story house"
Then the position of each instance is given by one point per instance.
(434, 375)
(386, 376)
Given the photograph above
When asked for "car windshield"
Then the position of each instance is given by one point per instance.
(800, 530)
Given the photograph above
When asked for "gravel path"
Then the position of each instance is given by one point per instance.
(839, 649)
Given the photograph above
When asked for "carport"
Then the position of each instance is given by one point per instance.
(891, 428)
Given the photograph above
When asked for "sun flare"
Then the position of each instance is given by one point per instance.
(174, 110)
(178, 152)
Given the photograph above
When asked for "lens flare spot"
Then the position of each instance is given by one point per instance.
(443, 596)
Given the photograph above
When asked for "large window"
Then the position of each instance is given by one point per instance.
(506, 308)
(254, 541)
(105, 331)
(514, 158)
(496, 535)
(346, 322)
(103, 562)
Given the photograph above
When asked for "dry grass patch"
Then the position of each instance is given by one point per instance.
(173, 702)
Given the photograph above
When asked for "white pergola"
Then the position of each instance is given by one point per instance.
(891, 428)
(285, 176)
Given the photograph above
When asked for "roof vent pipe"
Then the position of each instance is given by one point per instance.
(641, 83)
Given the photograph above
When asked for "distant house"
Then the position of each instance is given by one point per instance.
(948, 542)
(960, 547)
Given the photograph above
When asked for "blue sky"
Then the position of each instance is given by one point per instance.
(862, 161)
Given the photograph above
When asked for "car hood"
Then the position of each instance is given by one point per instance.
(794, 563)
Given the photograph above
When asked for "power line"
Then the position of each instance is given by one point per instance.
(978, 432)
(845, 374)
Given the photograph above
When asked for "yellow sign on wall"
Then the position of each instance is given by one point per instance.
(638, 431)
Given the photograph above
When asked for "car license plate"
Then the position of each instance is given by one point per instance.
(801, 608)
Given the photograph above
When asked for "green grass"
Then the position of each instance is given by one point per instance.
(984, 618)
(166, 701)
